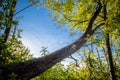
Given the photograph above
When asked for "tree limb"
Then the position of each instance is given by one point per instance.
(26, 7)
(76, 61)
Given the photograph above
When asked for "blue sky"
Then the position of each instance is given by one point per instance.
(40, 31)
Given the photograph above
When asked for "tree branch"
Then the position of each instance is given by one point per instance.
(94, 17)
(98, 26)
(26, 7)
(8, 27)
(76, 61)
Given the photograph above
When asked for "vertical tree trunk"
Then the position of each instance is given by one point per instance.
(9, 23)
(110, 60)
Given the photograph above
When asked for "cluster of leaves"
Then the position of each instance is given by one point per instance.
(77, 13)
(14, 51)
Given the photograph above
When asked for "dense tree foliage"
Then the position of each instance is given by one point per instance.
(11, 48)
(98, 20)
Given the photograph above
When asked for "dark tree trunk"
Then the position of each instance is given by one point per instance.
(109, 52)
(110, 60)
(8, 23)
(11, 14)
(32, 68)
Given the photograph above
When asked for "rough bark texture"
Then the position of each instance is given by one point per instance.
(30, 69)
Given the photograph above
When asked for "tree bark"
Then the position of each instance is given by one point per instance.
(108, 47)
(11, 14)
(8, 23)
(110, 59)
(32, 68)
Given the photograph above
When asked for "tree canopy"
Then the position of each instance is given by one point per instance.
(98, 20)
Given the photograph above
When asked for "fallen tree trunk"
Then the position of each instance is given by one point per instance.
(32, 68)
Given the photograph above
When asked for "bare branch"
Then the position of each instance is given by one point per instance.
(76, 61)
(98, 26)
(26, 7)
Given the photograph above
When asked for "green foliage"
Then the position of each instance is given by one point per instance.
(44, 51)
(70, 12)
(12, 51)
(77, 13)
(11, 48)
(12, 76)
